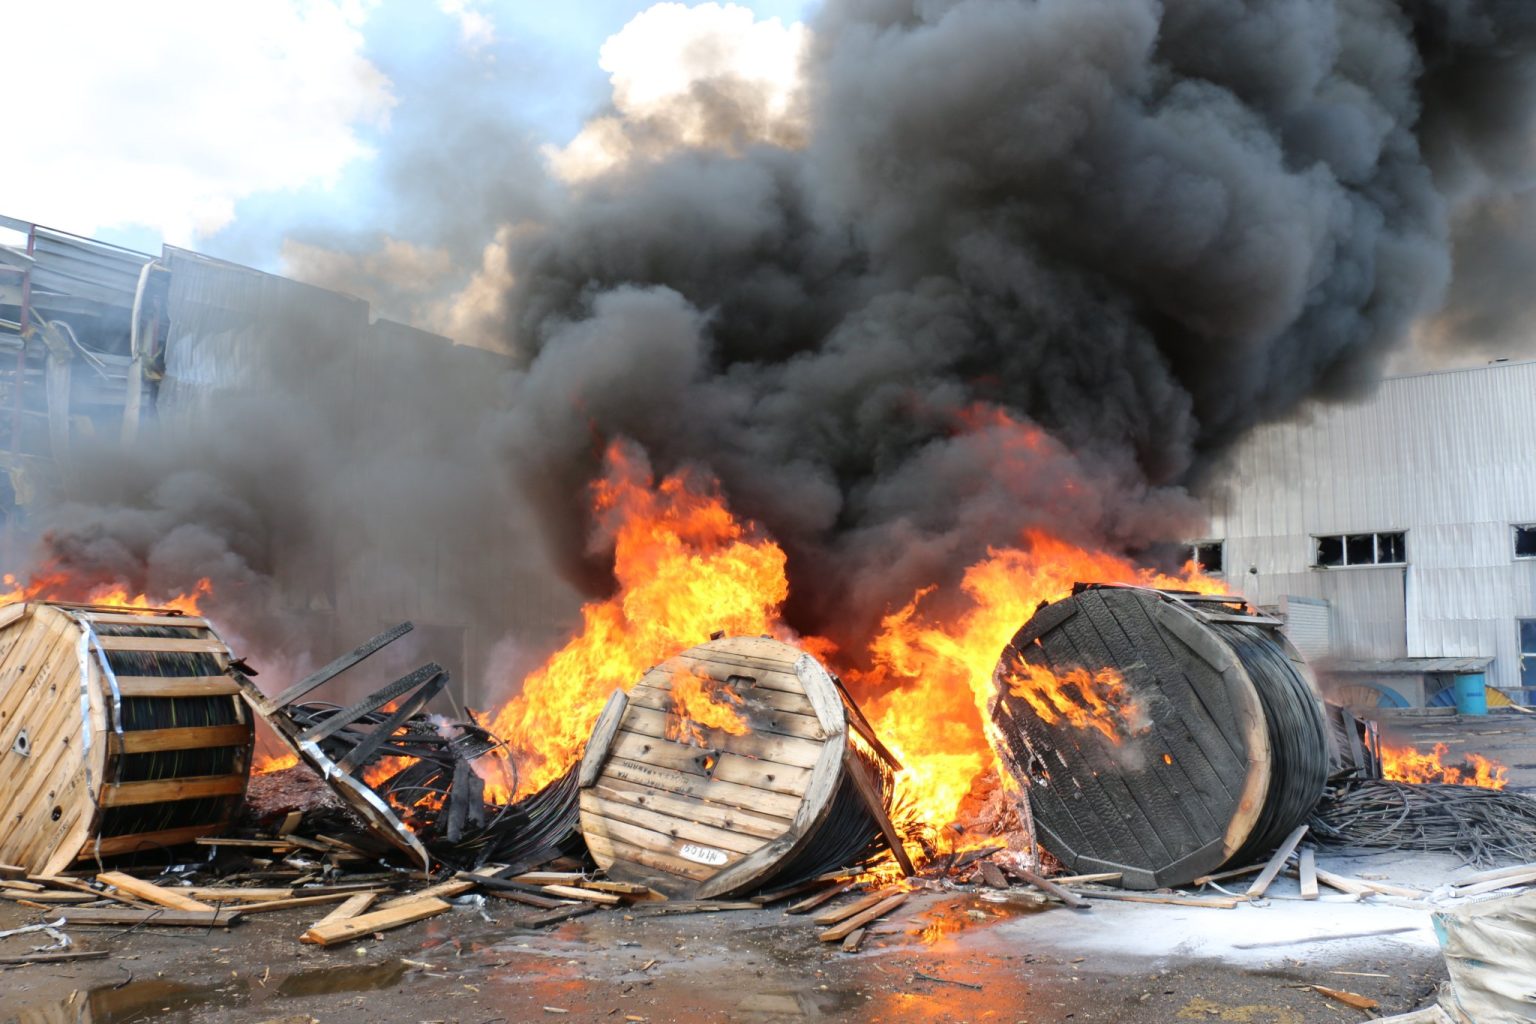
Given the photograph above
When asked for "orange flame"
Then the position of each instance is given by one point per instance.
(1406, 764)
(933, 675)
(1102, 702)
(685, 569)
(53, 584)
(265, 764)
(697, 705)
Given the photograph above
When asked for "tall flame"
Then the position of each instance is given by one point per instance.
(927, 692)
(1407, 764)
(685, 568)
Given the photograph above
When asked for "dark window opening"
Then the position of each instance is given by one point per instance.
(1525, 542)
(1207, 555)
(1362, 549)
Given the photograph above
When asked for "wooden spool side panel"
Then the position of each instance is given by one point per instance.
(676, 815)
(240, 735)
(1158, 804)
(44, 796)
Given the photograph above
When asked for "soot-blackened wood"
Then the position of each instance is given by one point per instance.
(324, 675)
(1159, 802)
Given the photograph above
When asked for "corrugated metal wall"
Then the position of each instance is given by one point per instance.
(1448, 457)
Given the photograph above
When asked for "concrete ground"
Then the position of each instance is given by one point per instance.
(944, 956)
(948, 956)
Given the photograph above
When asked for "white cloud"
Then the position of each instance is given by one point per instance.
(167, 113)
(476, 29)
(657, 64)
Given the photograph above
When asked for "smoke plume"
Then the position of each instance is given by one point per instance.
(1144, 227)
(974, 266)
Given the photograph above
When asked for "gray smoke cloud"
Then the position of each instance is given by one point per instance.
(1143, 226)
(1016, 263)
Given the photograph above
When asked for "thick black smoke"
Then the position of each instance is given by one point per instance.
(1133, 228)
(1145, 227)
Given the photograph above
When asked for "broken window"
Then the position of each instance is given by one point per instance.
(1525, 542)
(1362, 549)
(1207, 556)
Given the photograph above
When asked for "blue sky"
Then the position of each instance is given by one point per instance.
(225, 128)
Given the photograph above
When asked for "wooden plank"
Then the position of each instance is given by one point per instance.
(617, 853)
(571, 892)
(1307, 872)
(1221, 876)
(679, 828)
(1050, 888)
(334, 932)
(350, 908)
(297, 901)
(151, 893)
(145, 741)
(133, 794)
(720, 816)
(1478, 877)
(442, 890)
(176, 686)
(848, 910)
(874, 802)
(839, 932)
(1363, 886)
(233, 894)
(335, 668)
(139, 841)
(810, 903)
(607, 727)
(851, 943)
(754, 701)
(660, 842)
(1493, 884)
(1175, 899)
(698, 787)
(1101, 876)
(158, 917)
(1276, 861)
(165, 645)
(763, 744)
(147, 619)
(762, 718)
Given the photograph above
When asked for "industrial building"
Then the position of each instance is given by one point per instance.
(1396, 536)
(97, 342)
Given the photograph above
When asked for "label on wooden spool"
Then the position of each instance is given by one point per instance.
(702, 854)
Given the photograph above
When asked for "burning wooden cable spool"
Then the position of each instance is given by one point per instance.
(1159, 734)
(120, 731)
(732, 766)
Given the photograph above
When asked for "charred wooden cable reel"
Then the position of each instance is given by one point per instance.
(1159, 734)
(775, 778)
(120, 732)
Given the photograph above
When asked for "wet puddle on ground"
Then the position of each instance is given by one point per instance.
(946, 920)
(161, 998)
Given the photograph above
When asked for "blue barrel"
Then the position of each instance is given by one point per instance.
(1471, 694)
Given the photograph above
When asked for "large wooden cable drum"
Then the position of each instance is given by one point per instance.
(1206, 741)
(717, 813)
(120, 732)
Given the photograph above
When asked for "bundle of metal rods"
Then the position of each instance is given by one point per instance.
(434, 773)
(1483, 825)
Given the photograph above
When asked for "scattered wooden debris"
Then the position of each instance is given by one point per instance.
(1276, 861)
(158, 917)
(1050, 888)
(151, 893)
(329, 933)
(838, 932)
(1354, 999)
(1177, 899)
